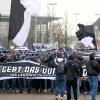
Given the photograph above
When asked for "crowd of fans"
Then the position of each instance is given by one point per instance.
(39, 85)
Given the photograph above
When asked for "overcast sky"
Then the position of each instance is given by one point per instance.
(87, 9)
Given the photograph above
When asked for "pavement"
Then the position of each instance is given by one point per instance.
(44, 96)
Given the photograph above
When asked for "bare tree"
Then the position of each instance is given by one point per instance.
(58, 34)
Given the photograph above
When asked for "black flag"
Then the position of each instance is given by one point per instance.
(16, 18)
(20, 18)
(86, 35)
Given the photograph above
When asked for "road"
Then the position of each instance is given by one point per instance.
(38, 97)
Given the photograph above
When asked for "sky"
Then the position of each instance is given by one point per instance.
(75, 11)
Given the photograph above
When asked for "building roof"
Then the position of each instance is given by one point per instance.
(96, 24)
(45, 19)
(4, 18)
(39, 19)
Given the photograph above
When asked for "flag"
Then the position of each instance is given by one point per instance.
(86, 35)
(20, 18)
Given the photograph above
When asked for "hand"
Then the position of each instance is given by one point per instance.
(81, 78)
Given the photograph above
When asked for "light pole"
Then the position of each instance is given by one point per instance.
(53, 4)
(52, 24)
(96, 28)
(35, 29)
(0, 33)
(76, 15)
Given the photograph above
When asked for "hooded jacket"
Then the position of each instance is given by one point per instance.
(93, 67)
(71, 70)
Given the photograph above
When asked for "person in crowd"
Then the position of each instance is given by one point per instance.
(93, 69)
(83, 83)
(3, 83)
(80, 60)
(98, 59)
(60, 77)
(23, 83)
(84, 86)
(6, 82)
(10, 58)
(39, 83)
(72, 72)
(2, 57)
(51, 62)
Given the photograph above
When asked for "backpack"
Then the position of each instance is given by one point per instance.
(60, 66)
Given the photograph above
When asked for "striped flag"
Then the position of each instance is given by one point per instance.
(20, 18)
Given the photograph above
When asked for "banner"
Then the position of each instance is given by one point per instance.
(26, 69)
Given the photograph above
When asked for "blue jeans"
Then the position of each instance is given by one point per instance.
(52, 86)
(93, 81)
(78, 89)
(20, 85)
(65, 87)
(26, 84)
(60, 85)
(23, 84)
(13, 84)
(5, 85)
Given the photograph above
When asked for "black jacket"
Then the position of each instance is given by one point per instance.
(93, 68)
(72, 70)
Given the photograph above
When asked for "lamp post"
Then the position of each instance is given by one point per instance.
(96, 28)
(53, 4)
(51, 33)
(97, 15)
(35, 29)
(1, 30)
(76, 15)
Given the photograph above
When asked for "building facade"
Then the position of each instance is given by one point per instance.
(96, 26)
(38, 30)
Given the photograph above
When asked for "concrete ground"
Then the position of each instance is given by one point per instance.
(38, 97)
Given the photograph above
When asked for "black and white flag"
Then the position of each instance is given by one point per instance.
(20, 18)
(86, 35)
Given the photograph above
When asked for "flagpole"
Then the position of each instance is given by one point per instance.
(35, 29)
(1, 32)
(42, 34)
(52, 30)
